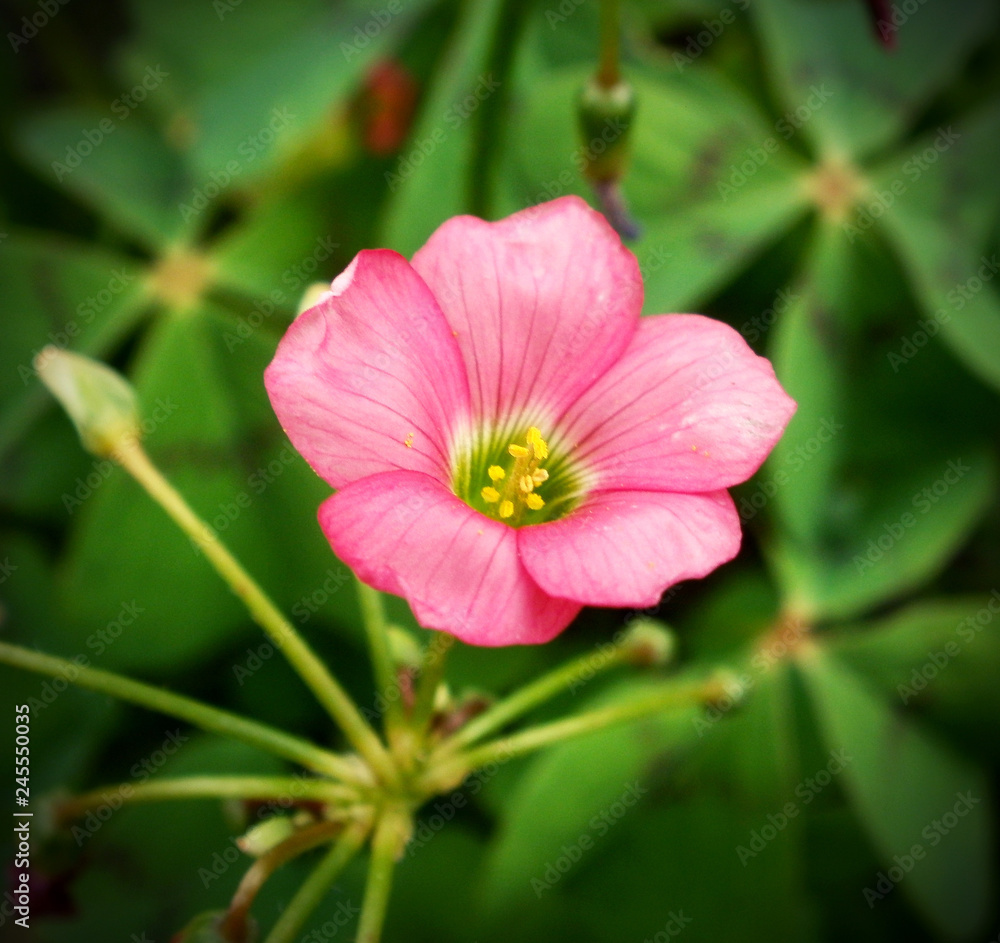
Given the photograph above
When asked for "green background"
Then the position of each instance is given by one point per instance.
(834, 201)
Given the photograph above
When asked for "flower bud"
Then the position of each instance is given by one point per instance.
(265, 835)
(648, 642)
(404, 649)
(605, 121)
(99, 401)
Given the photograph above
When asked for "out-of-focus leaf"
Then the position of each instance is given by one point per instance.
(857, 96)
(52, 292)
(543, 815)
(128, 174)
(938, 223)
(254, 83)
(709, 182)
(809, 362)
(941, 658)
(427, 183)
(899, 533)
(925, 809)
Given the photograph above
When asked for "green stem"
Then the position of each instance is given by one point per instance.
(309, 896)
(302, 658)
(373, 616)
(531, 695)
(608, 70)
(210, 787)
(506, 748)
(431, 675)
(176, 705)
(390, 835)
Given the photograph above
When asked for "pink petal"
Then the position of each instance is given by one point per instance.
(624, 548)
(406, 533)
(689, 407)
(371, 379)
(543, 302)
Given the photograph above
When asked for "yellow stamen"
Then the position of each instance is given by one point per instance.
(526, 484)
(539, 475)
(490, 495)
(496, 473)
(506, 508)
(538, 445)
(534, 502)
(518, 451)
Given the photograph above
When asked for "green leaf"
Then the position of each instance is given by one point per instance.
(128, 174)
(854, 96)
(543, 815)
(897, 534)
(427, 183)
(925, 809)
(54, 292)
(938, 223)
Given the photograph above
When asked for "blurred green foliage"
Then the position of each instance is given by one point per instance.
(177, 174)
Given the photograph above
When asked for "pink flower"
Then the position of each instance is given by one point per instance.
(508, 440)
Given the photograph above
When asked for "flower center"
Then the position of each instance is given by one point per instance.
(519, 482)
(506, 481)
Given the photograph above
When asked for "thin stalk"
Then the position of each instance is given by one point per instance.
(531, 695)
(262, 788)
(302, 658)
(309, 896)
(386, 845)
(373, 617)
(195, 712)
(608, 69)
(526, 741)
(431, 675)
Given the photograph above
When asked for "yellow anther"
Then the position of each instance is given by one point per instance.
(497, 473)
(490, 495)
(506, 508)
(538, 445)
(534, 502)
(539, 475)
(526, 484)
(518, 451)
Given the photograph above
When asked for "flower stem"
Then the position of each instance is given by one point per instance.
(176, 705)
(373, 616)
(531, 695)
(431, 675)
(505, 748)
(210, 787)
(302, 658)
(608, 71)
(390, 836)
(311, 893)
